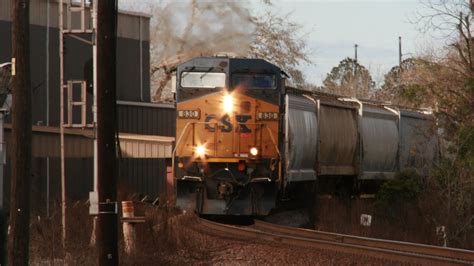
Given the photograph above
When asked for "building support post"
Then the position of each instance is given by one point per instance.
(18, 239)
(61, 123)
(92, 242)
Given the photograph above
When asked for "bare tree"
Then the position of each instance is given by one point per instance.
(277, 40)
(405, 85)
(185, 29)
(446, 81)
(447, 77)
(349, 78)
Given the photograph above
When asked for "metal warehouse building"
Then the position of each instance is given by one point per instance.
(146, 129)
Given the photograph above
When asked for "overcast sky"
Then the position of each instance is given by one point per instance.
(333, 27)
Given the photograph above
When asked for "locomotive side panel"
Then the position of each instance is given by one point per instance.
(302, 138)
(379, 136)
(338, 147)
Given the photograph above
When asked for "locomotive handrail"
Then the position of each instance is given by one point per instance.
(184, 131)
(273, 141)
(272, 138)
(180, 137)
(278, 151)
(175, 148)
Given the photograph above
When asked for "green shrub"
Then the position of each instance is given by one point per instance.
(404, 188)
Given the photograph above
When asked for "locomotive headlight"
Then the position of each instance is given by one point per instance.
(228, 103)
(254, 151)
(200, 150)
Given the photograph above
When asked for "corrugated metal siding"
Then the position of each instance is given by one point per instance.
(74, 146)
(79, 181)
(79, 60)
(5, 10)
(38, 12)
(419, 143)
(141, 149)
(128, 70)
(148, 120)
(303, 138)
(128, 22)
(46, 143)
(338, 140)
(130, 26)
(144, 176)
(136, 176)
(379, 132)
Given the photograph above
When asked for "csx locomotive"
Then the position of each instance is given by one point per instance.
(243, 138)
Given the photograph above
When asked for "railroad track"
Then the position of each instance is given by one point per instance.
(370, 247)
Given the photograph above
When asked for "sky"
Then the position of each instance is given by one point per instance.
(332, 28)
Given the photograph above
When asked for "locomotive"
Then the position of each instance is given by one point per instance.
(244, 138)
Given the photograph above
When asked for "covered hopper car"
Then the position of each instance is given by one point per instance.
(243, 138)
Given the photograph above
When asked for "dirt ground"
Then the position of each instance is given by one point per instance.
(171, 238)
(344, 216)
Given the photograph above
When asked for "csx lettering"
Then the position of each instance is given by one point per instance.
(242, 119)
(224, 123)
(208, 125)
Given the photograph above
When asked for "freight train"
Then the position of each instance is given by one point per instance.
(244, 138)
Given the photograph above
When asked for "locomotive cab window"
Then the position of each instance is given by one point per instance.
(254, 81)
(202, 80)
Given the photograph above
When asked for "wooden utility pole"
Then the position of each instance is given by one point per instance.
(355, 52)
(400, 52)
(18, 239)
(3, 237)
(106, 131)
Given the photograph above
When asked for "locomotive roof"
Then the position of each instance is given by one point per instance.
(232, 63)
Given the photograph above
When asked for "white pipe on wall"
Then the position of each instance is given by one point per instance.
(47, 101)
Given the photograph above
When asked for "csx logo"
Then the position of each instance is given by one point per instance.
(225, 125)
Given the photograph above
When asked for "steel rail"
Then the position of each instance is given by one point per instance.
(292, 239)
(461, 255)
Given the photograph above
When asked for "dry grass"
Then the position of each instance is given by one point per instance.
(159, 240)
(171, 238)
(407, 222)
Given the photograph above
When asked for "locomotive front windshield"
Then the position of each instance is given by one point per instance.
(254, 81)
(202, 80)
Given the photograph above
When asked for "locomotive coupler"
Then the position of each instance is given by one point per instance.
(225, 189)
